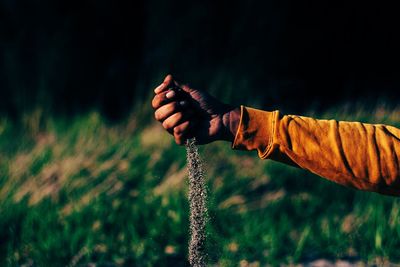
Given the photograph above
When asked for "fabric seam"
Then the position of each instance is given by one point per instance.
(238, 129)
(268, 149)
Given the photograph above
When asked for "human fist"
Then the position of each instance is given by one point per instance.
(186, 113)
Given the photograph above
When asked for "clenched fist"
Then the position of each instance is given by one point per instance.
(186, 112)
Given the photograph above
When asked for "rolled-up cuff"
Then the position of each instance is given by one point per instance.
(256, 131)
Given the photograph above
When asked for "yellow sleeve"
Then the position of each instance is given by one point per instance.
(359, 155)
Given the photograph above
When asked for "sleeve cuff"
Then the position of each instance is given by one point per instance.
(256, 131)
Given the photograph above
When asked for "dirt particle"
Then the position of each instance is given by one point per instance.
(198, 208)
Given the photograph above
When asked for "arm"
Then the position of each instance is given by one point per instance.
(363, 156)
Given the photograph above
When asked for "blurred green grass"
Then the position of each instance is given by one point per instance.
(79, 190)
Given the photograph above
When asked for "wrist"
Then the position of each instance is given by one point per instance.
(230, 121)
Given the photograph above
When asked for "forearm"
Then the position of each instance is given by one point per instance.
(363, 156)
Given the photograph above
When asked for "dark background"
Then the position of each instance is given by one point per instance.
(68, 57)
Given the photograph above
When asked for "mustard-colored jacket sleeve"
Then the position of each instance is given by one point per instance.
(359, 155)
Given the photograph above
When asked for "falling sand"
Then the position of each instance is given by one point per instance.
(198, 208)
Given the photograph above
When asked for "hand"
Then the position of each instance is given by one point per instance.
(186, 112)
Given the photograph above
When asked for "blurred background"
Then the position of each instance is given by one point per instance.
(71, 56)
(86, 176)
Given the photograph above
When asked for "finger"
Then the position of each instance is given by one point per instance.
(182, 128)
(168, 109)
(181, 132)
(179, 139)
(168, 82)
(159, 88)
(163, 98)
(164, 85)
(186, 88)
(175, 119)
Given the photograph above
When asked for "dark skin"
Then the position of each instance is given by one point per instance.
(186, 113)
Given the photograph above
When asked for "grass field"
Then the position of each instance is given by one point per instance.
(77, 191)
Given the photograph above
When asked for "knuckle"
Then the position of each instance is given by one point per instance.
(182, 129)
(170, 108)
(178, 130)
(157, 116)
(166, 125)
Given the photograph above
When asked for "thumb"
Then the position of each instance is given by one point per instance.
(168, 82)
(186, 88)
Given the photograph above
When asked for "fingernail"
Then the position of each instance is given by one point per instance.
(170, 94)
(159, 88)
